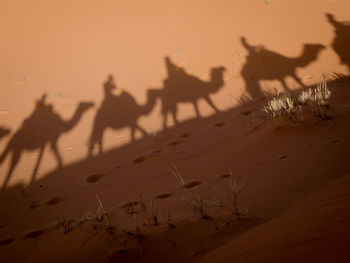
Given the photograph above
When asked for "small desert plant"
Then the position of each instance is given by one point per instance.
(291, 103)
(70, 224)
(102, 215)
(284, 104)
(236, 188)
(197, 204)
(154, 214)
(319, 100)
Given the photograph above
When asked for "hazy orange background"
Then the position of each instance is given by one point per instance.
(66, 49)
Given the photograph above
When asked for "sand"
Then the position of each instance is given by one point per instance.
(103, 104)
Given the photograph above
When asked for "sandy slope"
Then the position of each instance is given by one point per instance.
(199, 61)
(316, 229)
(285, 167)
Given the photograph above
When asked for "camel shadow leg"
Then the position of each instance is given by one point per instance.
(210, 102)
(57, 154)
(144, 133)
(16, 155)
(165, 118)
(132, 133)
(196, 109)
(173, 113)
(36, 168)
(298, 80)
(284, 84)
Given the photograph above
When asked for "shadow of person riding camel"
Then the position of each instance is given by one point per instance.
(263, 64)
(118, 111)
(42, 127)
(341, 42)
(181, 87)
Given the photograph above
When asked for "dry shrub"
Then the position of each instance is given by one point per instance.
(196, 203)
(290, 104)
(284, 106)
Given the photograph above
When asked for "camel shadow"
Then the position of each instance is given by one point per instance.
(43, 126)
(263, 64)
(181, 87)
(4, 132)
(118, 111)
(341, 42)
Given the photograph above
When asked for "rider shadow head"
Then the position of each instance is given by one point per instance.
(42, 127)
(181, 87)
(263, 64)
(341, 42)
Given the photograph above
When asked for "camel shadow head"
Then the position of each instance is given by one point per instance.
(243, 39)
(84, 106)
(4, 132)
(330, 17)
(217, 72)
(313, 48)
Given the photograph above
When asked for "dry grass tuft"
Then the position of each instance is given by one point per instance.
(100, 215)
(290, 105)
(197, 204)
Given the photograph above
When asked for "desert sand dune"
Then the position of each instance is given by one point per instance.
(223, 179)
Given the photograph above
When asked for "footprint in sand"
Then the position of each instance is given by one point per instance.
(34, 234)
(335, 142)
(163, 196)
(54, 200)
(6, 241)
(191, 184)
(220, 124)
(246, 113)
(129, 204)
(94, 178)
(173, 143)
(184, 135)
(140, 159)
(283, 157)
(224, 176)
(34, 205)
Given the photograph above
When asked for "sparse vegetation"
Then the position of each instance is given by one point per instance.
(284, 105)
(291, 104)
(100, 215)
(154, 214)
(236, 188)
(197, 205)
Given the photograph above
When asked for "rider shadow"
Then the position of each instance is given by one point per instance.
(44, 126)
(263, 64)
(118, 111)
(181, 87)
(341, 42)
